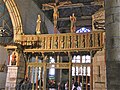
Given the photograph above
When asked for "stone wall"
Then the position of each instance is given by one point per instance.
(29, 12)
(2, 80)
(3, 59)
(99, 71)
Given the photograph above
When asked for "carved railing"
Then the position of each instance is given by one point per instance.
(61, 42)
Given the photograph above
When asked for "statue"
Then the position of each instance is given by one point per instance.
(38, 26)
(56, 13)
(13, 62)
(73, 21)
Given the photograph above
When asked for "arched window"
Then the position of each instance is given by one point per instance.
(83, 30)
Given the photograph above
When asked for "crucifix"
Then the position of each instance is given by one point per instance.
(55, 8)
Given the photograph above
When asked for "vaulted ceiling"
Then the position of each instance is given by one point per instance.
(83, 10)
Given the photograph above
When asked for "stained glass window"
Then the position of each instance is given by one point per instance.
(83, 30)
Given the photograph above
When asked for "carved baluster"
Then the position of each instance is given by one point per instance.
(72, 41)
(37, 42)
(76, 41)
(48, 44)
(79, 41)
(33, 42)
(91, 40)
(84, 43)
(81, 45)
(88, 40)
(40, 42)
(102, 38)
(96, 39)
(58, 37)
(43, 45)
(62, 41)
(46, 41)
(59, 46)
(69, 41)
(65, 40)
(55, 42)
(52, 42)
(82, 40)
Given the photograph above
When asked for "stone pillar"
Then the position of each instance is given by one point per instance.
(99, 71)
(112, 16)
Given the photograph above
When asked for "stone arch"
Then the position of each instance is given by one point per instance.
(15, 17)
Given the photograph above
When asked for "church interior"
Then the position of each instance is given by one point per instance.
(59, 44)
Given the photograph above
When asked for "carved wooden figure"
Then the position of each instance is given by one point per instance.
(38, 26)
(73, 21)
(55, 13)
(14, 59)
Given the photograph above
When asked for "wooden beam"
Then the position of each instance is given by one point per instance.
(77, 5)
(84, 23)
(98, 2)
(78, 18)
(65, 6)
(80, 23)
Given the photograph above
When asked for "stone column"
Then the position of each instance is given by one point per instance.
(112, 16)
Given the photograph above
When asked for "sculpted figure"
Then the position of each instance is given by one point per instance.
(73, 21)
(13, 62)
(55, 13)
(38, 26)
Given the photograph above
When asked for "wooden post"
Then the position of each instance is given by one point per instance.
(45, 72)
(33, 78)
(86, 79)
(86, 75)
(58, 61)
(78, 79)
(26, 71)
(60, 70)
(37, 73)
(70, 71)
(75, 70)
(82, 79)
(41, 79)
(91, 72)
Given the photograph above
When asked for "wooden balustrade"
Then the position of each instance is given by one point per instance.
(62, 42)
